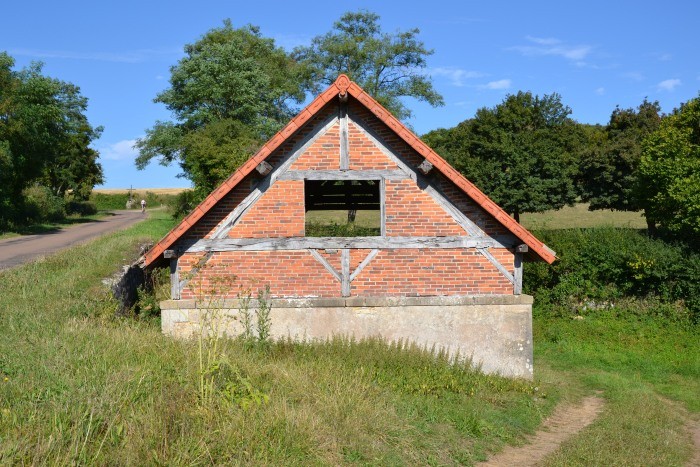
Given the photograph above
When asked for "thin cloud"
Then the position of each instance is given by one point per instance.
(457, 76)
(136, 56)
(497, 85)
(540, 46)
(634, 76)
(121, 151)
(668, 84)
(600, 91)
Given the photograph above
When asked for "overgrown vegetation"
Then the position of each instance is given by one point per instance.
(79, 385)
(114, 201)
(600, 267)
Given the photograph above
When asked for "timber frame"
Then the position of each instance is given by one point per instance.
(518, 240)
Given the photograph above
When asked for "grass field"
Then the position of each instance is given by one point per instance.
(156, 191)
(81, 386)
(579, 216)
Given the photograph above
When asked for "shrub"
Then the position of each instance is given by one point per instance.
(601, 265)
(81, 208)
(183, 203)
(41, 205)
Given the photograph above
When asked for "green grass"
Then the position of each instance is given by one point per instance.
(579, 216)
(78, 385)
(647, 369)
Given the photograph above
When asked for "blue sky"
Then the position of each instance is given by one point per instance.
(596, 54)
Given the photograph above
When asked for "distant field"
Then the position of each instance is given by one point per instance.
(566, 218)
(579, 216)
(157, 191)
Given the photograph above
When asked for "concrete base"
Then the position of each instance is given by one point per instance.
(495, 331)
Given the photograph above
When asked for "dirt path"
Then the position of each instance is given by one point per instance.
(694, 429)
(19, 250)
(565, 422)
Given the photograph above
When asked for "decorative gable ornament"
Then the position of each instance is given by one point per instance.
(442, 265)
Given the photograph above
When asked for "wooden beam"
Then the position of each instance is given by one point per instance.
(325, 264)
(174, 280)
(344, 144)
(382, 207)
(344, 175)
(345, 272)
(320, 129)
(264, 168)
(425, 166)
(169, 254)
(518, 274)
(492, 259)
(364, 263)
(320, 243)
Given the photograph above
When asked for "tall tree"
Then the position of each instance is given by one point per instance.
(522, 153)
(386, 65)
(43, 133)
(669, 172)
(232, 90)
(609, 168)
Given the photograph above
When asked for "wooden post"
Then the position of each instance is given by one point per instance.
(518, 274)
(345, 272)
(344, 154)
(174, 280)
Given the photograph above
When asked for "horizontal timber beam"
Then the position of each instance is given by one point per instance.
(321, 243)
(344, 175)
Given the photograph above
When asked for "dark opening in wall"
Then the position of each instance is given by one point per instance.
(343, 208)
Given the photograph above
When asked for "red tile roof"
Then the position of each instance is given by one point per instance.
(343, 85)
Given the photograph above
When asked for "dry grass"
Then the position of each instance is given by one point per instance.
(579, 216)
(156, 191)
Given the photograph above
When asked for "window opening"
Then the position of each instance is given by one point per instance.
(342, 208)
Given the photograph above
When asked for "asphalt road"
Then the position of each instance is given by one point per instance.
(19, 250)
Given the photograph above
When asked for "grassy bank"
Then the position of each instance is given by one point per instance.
(78, 385)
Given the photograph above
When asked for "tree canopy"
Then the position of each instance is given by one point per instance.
(44, 137)
(669, 172)
(386, 65)
(523, 153)
(609, 166)
(232, 91)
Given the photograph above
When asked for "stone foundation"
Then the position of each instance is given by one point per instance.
(495, 331)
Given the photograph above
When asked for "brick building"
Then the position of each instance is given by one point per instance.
(440, 264)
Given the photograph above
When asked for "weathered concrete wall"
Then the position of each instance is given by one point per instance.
(495, 331)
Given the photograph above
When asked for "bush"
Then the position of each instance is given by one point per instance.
(183, 203)
(81, 208)
(41, 205)
(599, 266)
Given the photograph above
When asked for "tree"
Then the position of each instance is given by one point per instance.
(522, 153)
(44, 136)
(232, 91)
(669, 172)
(609, 168)
(385, 65)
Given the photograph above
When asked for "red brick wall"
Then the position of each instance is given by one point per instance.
(278, 213)
(409, 211)
(288, 273)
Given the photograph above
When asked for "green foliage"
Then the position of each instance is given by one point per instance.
(232, 91)
(41, 205)
(669, 181)
(609, 166)
(523, 153)
(386, 65)
(44, 137)
(599, 267)
(81, 208)
(115, 201)
(184, 203)
(335, 229)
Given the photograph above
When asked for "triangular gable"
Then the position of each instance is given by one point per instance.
(343, 87)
